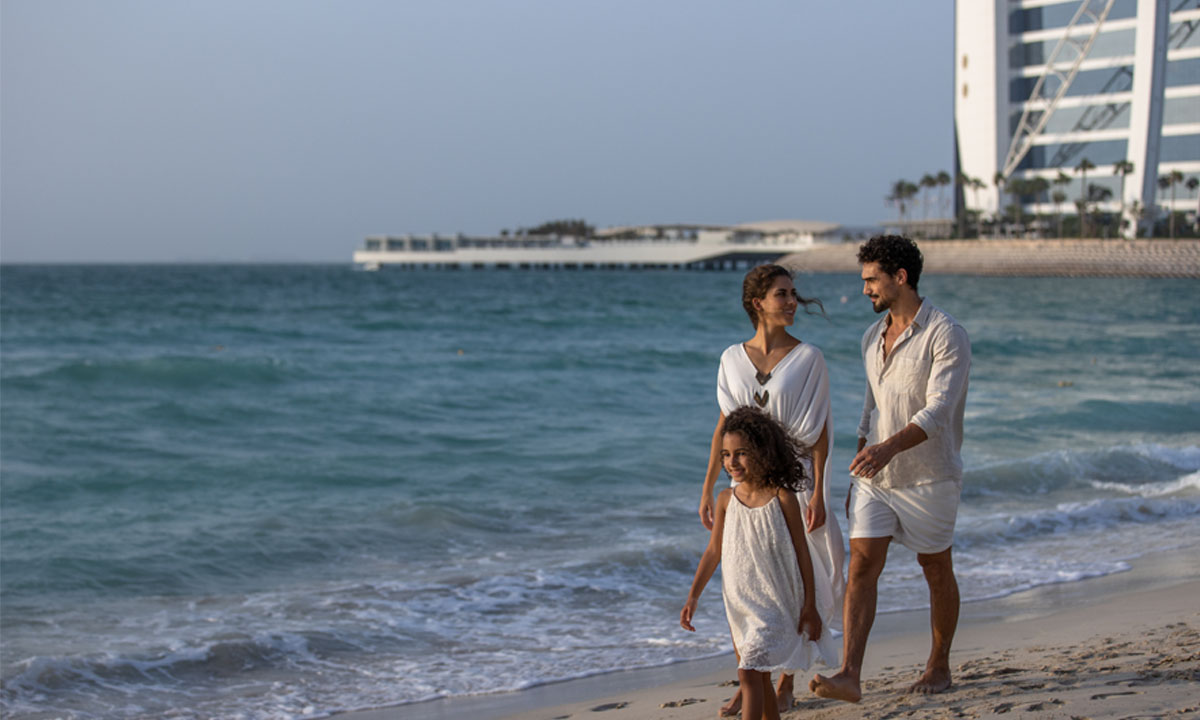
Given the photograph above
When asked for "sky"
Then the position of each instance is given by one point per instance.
(288, 130)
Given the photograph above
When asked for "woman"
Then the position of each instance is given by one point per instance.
(788, 380)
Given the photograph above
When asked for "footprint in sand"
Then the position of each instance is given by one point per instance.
(682, 703)
(610, 706)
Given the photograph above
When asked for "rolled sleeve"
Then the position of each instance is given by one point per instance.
(950, 367)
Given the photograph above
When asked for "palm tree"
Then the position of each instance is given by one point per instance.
(977, 185)
(1082, 168)
(928, 182)
(1098, 194)
(943, 181)
(1122, 168)
(1038, 187)
(1137, 212)
(1170, 180)
(902, 190)
(999, 181)
(1058, 196)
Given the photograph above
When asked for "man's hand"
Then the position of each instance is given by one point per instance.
(871, 459)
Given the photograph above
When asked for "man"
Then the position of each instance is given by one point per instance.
(908, 471)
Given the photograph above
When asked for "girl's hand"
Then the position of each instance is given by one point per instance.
(706, 511)
(810, 622)
(814, 514)
(685, 616)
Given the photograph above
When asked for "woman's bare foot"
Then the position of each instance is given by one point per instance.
(733, 708)
(935, 680)
(784, 693)
(836, 687)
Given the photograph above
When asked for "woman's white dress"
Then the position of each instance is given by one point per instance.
(796, 393)
(763, 591)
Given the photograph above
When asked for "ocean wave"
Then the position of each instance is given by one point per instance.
(1152, 465)
(1068, 518)
(173, 372)
(1147, 490)
(182, 682)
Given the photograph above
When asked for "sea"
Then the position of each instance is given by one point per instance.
(266, 492)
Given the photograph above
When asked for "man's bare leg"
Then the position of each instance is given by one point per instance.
(943, 620)
(785, 692)
(867, 557)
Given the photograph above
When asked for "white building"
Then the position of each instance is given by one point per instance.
(1041, 85)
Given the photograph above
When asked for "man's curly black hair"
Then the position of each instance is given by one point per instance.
(778, 454)
(893, 252)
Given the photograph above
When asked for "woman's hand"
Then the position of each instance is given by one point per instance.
(814, 514)
(810, 622)
(706, 511)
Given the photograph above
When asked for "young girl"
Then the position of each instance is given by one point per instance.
(768, 591)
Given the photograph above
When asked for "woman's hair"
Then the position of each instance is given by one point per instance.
(757, 284)
(893, 252)
(778, 454)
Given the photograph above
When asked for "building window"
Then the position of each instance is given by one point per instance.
(1067, 155)
(1181, 111)
(1059, 15)
(1183, 72)
(1179, 148)
(1087, 82)
(1183, 35)
(1110, 44)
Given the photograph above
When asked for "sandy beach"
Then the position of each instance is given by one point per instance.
(1121, 646)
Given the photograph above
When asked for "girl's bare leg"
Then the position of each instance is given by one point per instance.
(734, 706)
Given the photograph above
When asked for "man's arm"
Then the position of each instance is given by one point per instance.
(947, 382)
(947, 379)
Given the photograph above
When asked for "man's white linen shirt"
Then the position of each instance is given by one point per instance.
(923, 381)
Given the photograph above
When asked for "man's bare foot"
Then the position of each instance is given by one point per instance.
(733, 708)
(836, 687)
(935, 680)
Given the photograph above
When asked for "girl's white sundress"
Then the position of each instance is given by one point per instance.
(763, 591)
(796, 393)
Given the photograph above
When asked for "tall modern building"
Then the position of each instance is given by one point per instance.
(1042, 85)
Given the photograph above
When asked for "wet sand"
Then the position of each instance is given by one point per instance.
(1122, 646)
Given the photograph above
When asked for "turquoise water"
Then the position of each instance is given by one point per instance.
(275, 492)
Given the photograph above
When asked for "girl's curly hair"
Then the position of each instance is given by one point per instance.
(779, 454)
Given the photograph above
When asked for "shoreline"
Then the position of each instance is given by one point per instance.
(1047, 631)
(1027, 258)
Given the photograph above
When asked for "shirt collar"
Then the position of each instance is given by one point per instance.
(920, 320)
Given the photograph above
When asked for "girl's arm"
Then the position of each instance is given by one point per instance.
(708, 562)
(810, 621)
(711, 475)
(815, 512)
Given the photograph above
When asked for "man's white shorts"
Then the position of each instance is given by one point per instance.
(921, 518)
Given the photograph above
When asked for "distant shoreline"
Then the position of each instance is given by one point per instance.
(1046, 258)
(1029, 258)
